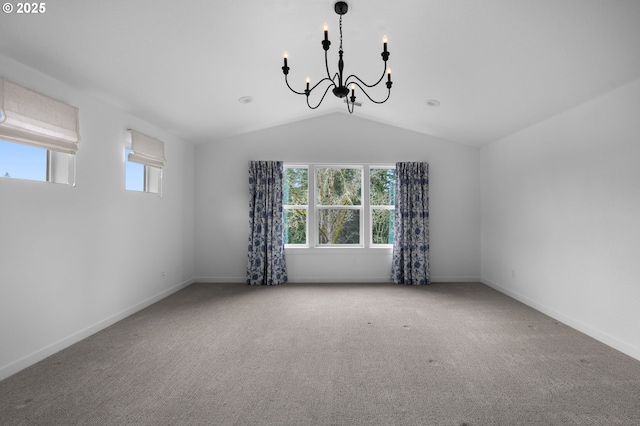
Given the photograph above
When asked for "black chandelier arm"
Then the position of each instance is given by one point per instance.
(384, 71)
(331, 83)
(326, 65)
(350, 107)
(286, 80)
(308, 91)
(367, 95)
(336, 75)
(322, 98)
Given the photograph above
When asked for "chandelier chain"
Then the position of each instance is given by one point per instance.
(340, 32)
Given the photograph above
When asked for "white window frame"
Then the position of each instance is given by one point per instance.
(61, 168)
(313, 208)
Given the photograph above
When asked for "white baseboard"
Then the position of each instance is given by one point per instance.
(40, 354)
(307, 279)
(325, 279)
(436, 279)
(599, 335)
(241, 280)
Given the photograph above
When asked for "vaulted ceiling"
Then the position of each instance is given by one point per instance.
(495, 66)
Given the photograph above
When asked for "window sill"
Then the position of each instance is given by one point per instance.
(336, 251)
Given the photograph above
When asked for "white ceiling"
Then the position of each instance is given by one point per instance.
(496, 66)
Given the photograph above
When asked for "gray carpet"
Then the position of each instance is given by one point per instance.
(330, 354)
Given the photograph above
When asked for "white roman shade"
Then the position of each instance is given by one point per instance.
(146, 150)
(31, 118)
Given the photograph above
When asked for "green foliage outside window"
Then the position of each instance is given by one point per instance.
(382, 187)
(382, 226)
(338, 187)
(296, 184)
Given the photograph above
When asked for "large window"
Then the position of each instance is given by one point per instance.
(339, 205)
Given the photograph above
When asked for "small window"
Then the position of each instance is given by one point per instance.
(144, 160)
(140, 177)
(39, 136)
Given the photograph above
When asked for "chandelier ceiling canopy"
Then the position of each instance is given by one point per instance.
(341, 86)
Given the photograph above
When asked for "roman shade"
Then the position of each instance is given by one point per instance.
(31, 118)
(146, 150)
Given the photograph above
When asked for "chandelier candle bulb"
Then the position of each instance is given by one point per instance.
(388, 74)
(308, 81)
(286, 55)
(384, 43)
(326, 31)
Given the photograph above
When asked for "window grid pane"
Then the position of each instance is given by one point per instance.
(134, 174)
(382, 225)
(295, 225)
(339, 186)
(338, 226)
(382, 183)
(296, 186)
(23, 161)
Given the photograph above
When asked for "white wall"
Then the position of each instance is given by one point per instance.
(561, 217)
(222, 198)
(75, 260)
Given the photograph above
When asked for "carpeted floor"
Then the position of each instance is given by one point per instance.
(330, 354)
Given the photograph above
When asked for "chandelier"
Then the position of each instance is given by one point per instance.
(341, 86)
